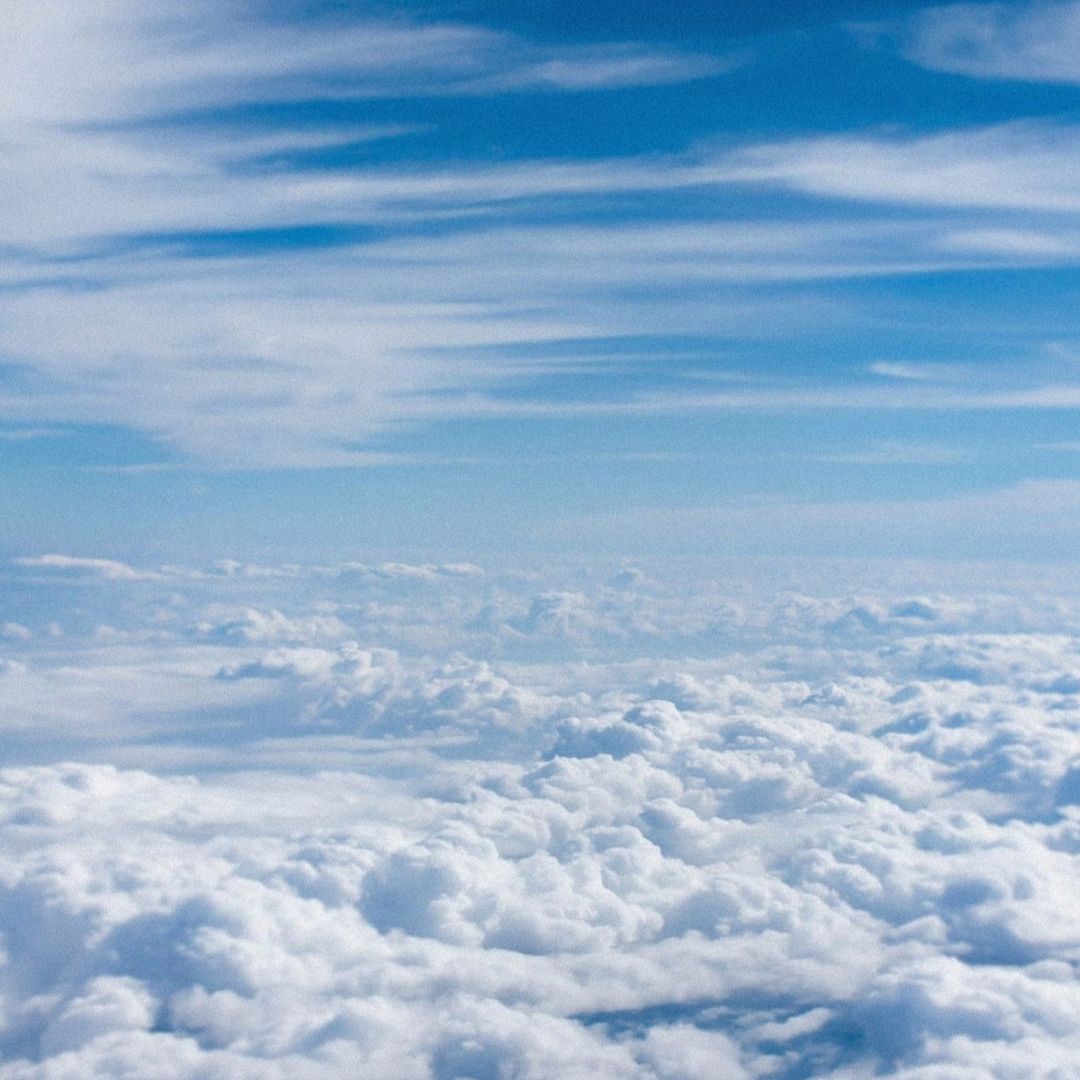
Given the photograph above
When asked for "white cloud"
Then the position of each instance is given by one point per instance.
(116, 58)
(1018, 242)
(899, 453)
(419, 572)
(1014, 166)
(918, 371)
(844, 842)
(210, 355)
(254, 360)
(97, 154)
(109, 569)
(254, 363)
(253, 626)
(1036, 42)
(31, 434)
(299, 359)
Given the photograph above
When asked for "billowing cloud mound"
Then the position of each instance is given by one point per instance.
(444, 824)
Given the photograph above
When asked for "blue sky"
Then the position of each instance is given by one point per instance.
(330, 279)
(538, 540)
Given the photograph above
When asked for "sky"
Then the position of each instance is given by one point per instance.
(333, 280)
(537, 541)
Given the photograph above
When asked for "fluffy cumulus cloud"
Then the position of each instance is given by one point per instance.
(612, 829)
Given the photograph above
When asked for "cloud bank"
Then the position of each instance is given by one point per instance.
(412, 822)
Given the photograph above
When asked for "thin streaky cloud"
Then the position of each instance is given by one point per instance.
(1021, 165)
(778, 400)
(264, 242)
(336, 347)
(112, 59)
(109, 569)
(921, 371)
(899, 453)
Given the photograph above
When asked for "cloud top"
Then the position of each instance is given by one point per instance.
(831, 833)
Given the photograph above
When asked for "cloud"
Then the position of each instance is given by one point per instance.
(405, 313)
(116, 58)
(251, 625)
(1035, 42)
(411, 572)
(31, 434)
(78, 566)
(916, 371)
(150, 291)
(161, 281)
(1013, 166)
(852, 832)
(899, 453)
(102, 156)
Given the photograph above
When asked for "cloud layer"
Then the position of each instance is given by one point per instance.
(475, 825)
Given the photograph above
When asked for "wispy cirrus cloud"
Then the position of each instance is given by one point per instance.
(120, 305)
(31, 434)
(108, 60)
(1036, 42)
(93, 100)
(889, 452)
(1019, 166)
(153, 182)
(284, 359)
(790, 398)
